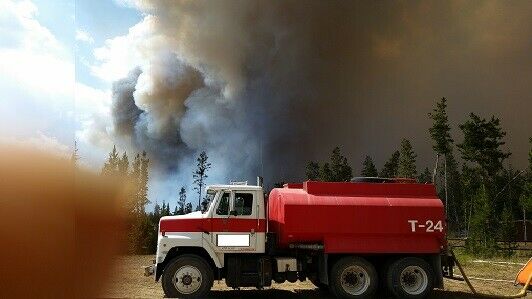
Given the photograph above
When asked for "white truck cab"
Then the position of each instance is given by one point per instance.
(234, 222)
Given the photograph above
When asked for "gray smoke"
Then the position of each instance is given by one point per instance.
(264, 86)
(125, 112)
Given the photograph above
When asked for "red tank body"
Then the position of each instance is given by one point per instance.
(359, 217)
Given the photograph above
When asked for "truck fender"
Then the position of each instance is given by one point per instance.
(188, 240)
(215, 258)
(182, 239)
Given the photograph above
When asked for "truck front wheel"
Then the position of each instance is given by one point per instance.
(410, 277)
(353, 277)
(187, 276)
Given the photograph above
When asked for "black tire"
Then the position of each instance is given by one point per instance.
(364, 283)
(382, 269)
(417, 282)
(184, 262)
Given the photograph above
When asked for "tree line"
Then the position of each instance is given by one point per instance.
(486, 200)
(142, 225)
(402, 164)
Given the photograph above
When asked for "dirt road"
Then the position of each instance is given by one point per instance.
(128, 282)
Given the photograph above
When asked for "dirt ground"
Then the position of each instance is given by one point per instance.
(128, 282)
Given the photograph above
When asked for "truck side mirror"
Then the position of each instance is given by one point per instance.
(233, 213)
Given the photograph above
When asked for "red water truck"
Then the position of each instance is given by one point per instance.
(352, 238)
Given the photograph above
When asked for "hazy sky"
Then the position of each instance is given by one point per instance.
(285, 81)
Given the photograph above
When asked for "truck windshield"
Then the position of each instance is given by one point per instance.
(207, 201)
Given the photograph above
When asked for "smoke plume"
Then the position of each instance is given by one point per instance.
(264, 86)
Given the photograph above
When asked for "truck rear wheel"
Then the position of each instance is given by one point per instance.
(410, 277)
(353, 277)
(187, 276)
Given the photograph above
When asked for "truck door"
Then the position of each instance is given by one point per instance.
(235, 229)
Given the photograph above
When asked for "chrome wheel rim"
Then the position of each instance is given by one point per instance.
(187, 279)
(355, 280)
(414, 280)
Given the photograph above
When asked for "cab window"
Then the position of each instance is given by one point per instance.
(223, 206)
(243, 204)
(208, 200)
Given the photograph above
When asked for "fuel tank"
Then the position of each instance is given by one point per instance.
(357, 217)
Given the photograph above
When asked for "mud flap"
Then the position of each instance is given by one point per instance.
(436, 263)
(323, 269)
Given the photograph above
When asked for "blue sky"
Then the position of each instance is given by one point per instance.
(48, 87)
(58, 60)
(100, 20)
(59, 17)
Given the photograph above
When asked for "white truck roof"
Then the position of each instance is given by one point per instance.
(235, 187)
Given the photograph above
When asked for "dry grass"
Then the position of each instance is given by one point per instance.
(128, 282)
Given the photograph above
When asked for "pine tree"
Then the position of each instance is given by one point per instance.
(111, 166)
(134, 176)
(157, 210)
(506, 231)
(123, 165)
(142, 228)
(391, 167)
(481, 144)
(530, 156)
(279, 184)
(368, 168)
(440, 130)
(142, 199)
(425, 176)
(471, 183)
(313, 171)
(455, 198)
(165, 210)
(481, 237)
(336, 170)
(188, 208)
(200, 174)
(74, 157)
(481, 147)
(204, 204)
(149, 225)
(326, 174)
(181, 202)
(340, 168)
(526, 197)
(407, 160)
(525, 200)
(139, 177)
(440, 133)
